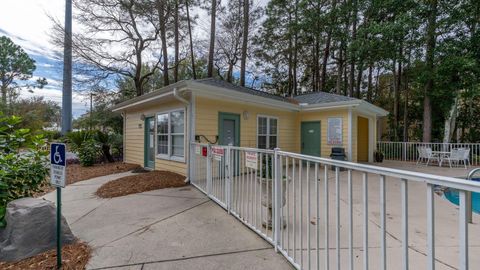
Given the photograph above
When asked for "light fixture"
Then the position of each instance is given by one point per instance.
(245, 114)
(142, 117)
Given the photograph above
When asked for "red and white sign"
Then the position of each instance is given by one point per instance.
(251, 160)
(218, 153)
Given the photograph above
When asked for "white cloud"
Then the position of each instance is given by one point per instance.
(28, 20)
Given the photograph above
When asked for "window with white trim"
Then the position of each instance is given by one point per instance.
(267, 132)
(171, 134)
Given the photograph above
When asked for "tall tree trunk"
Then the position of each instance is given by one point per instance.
(138, 70)
(340, 62)
(377, 84)
(175, 69)
(352, 58)
(246, 21)
(359, 80)
(295, 54)
(230, 72)
(4, 99)
(163, 36)
(369, 85)
(192, 56)
(430, 51)
(211, 49)
(290, 61)
(396, 96)
(405, 108)
(345, 74)
(326, 52)
(313, 67)
(450, 121)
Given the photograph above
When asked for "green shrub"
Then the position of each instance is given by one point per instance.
(23, 163)
(104, 139)
(77, 138)
(52, 135)
(116, 141)
(88, 152)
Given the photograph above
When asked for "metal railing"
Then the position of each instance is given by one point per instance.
(407, 151)
(296, 203)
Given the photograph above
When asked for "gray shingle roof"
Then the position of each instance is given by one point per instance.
(321, 97)
(310, 98)
(227, 85)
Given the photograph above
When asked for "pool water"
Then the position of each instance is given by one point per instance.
(453, 196)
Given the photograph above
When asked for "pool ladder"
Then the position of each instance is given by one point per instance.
(469, 195)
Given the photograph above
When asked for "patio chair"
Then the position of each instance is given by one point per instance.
(465, 156)
(459, 155)
(425, 153)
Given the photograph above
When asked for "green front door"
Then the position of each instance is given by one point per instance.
(310, 138)
(149, 146)
(229, 129)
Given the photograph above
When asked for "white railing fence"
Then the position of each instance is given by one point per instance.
(407, 151)
(296, 203)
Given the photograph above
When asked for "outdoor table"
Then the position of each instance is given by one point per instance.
(441, 156)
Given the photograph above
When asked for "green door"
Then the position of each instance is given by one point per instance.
(310, 138)
(149, 146)
(229, 129)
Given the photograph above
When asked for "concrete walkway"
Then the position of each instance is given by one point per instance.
(176, 228)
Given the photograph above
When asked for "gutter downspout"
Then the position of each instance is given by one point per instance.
(176, 95)
(124, 137)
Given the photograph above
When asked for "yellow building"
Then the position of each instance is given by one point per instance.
(159, 126)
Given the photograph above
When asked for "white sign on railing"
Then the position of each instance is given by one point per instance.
(335, 131)
(218, 153)
(251, 160)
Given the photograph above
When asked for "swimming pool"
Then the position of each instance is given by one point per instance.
(453, 196)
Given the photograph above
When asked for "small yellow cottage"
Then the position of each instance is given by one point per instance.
(158, 126)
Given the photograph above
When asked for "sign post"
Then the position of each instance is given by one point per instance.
(57, 179)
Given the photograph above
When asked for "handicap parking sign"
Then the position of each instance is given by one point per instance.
(57, 164)
(57, 154)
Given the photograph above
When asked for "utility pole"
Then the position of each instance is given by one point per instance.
(91, 110)
(67, 71)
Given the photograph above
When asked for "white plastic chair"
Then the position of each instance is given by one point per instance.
(425, 153)
(466, 157)
(459, 155)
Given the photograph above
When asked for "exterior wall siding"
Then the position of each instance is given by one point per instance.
(323, 118)
(206, 117)
(206, 124)
(134, 142)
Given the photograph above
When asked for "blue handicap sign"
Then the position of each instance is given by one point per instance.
(58, 154)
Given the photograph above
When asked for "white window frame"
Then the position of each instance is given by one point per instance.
(268, 129)
(169, 156)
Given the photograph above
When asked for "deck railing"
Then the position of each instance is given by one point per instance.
(407, 151)
(296, 203)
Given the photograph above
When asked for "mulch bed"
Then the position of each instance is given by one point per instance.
(77, 173)
(140, 183)
(74, 256)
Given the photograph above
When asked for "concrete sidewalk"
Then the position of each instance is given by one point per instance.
(176, 228)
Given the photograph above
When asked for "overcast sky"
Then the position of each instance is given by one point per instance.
(26, 22)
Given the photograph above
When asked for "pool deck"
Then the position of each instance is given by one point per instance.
(445, 170)
(446, 221)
